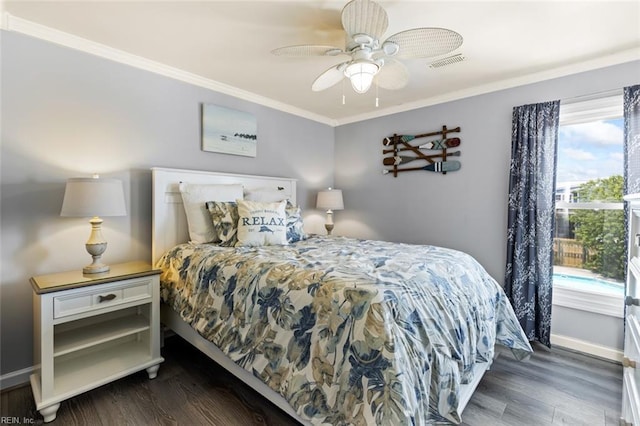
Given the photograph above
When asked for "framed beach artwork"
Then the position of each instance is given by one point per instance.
(228, 131)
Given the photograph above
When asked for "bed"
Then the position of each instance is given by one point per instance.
(333, 330)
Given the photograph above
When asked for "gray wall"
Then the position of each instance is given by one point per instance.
(67, 114)
(603, 330)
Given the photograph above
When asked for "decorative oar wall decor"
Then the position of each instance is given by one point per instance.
(436, 162)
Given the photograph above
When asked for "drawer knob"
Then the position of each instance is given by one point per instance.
(631, 301)
(106, 298)
(628, 362)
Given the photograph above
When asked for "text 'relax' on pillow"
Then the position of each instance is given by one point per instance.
(194, 197)
(261, 223)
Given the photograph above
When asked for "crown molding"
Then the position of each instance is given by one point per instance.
(23, 26)
(621, 57)
(33, 29)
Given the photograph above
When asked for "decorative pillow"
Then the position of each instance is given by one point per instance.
(295, 231)
(224, 215)
(261, 223)
(194, 197)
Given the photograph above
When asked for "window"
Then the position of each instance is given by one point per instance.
(589, 240)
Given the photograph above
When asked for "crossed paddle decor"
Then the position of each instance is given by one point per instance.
(436, 162)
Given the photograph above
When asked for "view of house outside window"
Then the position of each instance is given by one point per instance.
(589, 240)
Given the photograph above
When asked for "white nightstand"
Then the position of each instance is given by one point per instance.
(90, 330)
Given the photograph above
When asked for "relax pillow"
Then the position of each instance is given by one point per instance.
(194, 197)
(261, 223)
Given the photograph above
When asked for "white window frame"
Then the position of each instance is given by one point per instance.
(603, 106)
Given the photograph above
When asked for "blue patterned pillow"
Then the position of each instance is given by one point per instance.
(224, 215)
(295, 231)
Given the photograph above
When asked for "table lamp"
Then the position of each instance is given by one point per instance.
(94, 197)
(330, 199)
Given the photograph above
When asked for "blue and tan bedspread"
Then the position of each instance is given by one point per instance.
(348, 331)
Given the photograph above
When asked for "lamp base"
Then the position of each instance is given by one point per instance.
(96, 267)
(328, 227)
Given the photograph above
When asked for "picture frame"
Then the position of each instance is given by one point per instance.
(229, 131)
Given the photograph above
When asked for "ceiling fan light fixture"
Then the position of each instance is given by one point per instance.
(361, 74)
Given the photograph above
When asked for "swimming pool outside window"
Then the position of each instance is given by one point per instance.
(586, 282)
(588, 272)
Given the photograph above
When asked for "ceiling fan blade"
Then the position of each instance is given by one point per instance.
(308, 50)
(425, 42)
(364, 17)
(329, 78)
(393, 75)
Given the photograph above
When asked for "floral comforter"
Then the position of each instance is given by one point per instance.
(348, 331)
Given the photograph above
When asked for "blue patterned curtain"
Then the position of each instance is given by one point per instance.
(631, 139)
(631, 112)
(529, 271)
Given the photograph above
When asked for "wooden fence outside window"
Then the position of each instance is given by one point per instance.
(569, 252)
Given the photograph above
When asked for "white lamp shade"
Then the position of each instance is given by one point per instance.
(330, 199)
(89, 197)
(361, 75)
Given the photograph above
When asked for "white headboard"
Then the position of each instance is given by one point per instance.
(168, 220)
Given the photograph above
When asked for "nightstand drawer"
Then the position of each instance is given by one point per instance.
(76, 302)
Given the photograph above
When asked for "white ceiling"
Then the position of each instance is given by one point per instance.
(506, 43)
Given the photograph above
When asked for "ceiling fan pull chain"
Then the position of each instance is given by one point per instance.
(377, 99)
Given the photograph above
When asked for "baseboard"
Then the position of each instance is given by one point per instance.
(599, 351)
(15, 378)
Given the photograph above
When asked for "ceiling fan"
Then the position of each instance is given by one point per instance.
(365, 22)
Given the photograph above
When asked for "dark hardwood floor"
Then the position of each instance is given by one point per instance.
(553, 387)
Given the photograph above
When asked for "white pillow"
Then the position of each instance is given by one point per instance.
(194, 197)
(261, 224)
(265, 195)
